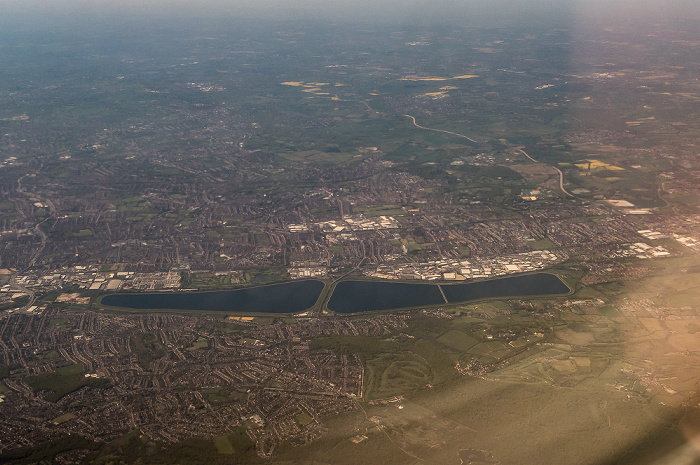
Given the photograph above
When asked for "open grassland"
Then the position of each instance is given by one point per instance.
(458, 340)
(434, 425)
(223, 445)
(602, 366)
(63, 381)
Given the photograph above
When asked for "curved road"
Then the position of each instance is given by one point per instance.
(661, 189)
(37, 231)
(440, 130)
(561, 175)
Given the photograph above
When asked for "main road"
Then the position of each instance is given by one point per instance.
(561, 175)
(440, 130)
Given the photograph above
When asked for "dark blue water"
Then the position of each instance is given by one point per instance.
(276, 298)
(514, 286)
(367, 296)
(348, 296)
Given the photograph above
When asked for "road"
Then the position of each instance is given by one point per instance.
(662, 189)
(440, 130)
(37, 231)
(561, 175)
(329, 290)
(16, 287)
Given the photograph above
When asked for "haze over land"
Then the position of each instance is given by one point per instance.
(385, 11)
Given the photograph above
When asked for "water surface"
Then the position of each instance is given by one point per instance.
(290, 297)
(367, 296)
(347, 297)
(513, 286)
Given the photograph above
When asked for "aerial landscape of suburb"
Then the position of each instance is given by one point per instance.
(338, 240)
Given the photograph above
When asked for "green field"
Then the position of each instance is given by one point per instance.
(223, 445)
(83, 233)
(541, 244)
(201, 343)
(303, 418)
(63, 418)
(380, 210)
(63, 381)
(458, 340)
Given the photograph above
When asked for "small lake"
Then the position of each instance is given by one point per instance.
(292, 297)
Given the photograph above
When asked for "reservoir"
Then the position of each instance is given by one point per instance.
(514, 286)
(367, 296)
(347, 297)
(290, 297)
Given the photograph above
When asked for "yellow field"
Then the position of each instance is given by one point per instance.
(311, 87)
(435, 94)
(641, 121)
(595, 164)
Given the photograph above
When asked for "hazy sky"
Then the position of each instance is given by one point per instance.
(350, 10)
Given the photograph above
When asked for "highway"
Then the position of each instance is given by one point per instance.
(440, 130)
(561, 175)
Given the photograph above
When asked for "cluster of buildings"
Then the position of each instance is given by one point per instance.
(689, 242)
(308, 272)
(9, 161)
(685, 240)
(348, 223)
(475, 268)
(92, 278)
(642, 250)
(174, 377)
